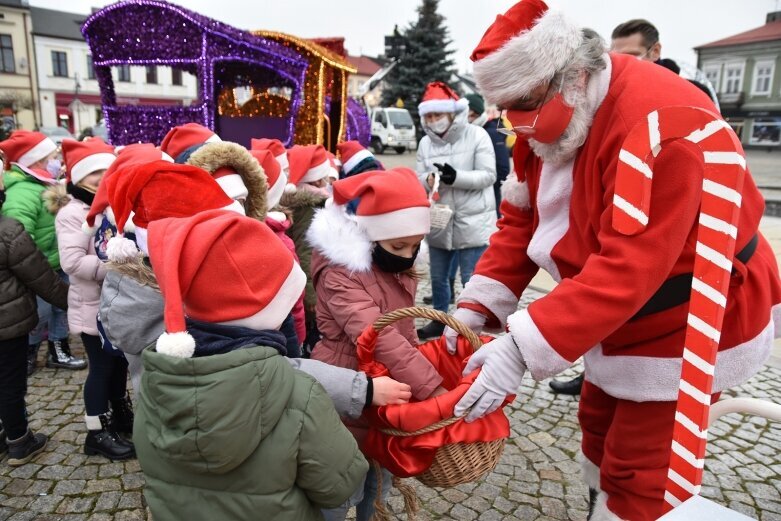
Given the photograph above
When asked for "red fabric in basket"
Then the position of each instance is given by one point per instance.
(407, 456)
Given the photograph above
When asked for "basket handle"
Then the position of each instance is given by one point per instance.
(431, 314)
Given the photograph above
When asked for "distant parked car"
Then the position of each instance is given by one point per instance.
(56, 134)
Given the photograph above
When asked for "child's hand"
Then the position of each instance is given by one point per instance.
(388, 391)
(438, 391)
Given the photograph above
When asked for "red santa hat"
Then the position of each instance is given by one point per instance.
(159, 190)
(85, 157)
(334, 172)
(438, 97)
(26, 148)
(210, 265)
(522, 49)
(274, 146)
(275, 177)
(308, 163)
(352, 153)
(181, 141)
(391, 205)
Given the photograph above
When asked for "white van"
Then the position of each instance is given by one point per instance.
(392, 128)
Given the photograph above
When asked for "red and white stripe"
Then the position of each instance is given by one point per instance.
(724, 172)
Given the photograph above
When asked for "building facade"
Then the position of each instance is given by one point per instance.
(18, 88)
(68, 91)
(745, 70)
(366, 68)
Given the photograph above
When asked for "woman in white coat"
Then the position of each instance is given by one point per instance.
(463, 156)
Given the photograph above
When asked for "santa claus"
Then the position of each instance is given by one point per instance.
(622, 301)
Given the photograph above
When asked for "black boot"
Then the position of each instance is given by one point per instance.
(592, 501)
(570, 387)
(22, 450)
(431, 330)
(32, 357)
(3, 444)
(122, 417)
(60, 356)
(101, 440)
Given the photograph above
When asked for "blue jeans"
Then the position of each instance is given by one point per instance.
(441, 266)
(50, 318)
(363, 498)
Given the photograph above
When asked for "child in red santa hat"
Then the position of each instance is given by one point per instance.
(362, 267)
(83, 261)
(226, 428)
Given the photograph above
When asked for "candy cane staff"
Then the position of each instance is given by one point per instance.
(618, 300)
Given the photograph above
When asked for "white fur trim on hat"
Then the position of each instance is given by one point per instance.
(528, 60)
(336, 235)
(443, 105)
(233, 186)
(166, 157)
(275, 312)
(90, 164)
(214, 138)
(235, 206)
(86, 229)
(276, 191)
(180, 345)
(290, 188)
(284, 164)
(317, 173)
(142, 240)
(38, 152)
(121, 250)
(406, 222)
(357, 158)
(130, 226)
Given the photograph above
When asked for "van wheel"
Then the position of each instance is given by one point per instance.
(400, 150)
(377, 146)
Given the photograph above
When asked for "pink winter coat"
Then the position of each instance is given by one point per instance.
(85, 270)
(279, 227)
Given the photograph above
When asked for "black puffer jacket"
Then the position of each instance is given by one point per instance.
(24, 273)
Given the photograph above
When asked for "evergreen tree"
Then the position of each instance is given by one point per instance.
(426, 58)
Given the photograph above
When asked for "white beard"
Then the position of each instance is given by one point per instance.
(565, 148)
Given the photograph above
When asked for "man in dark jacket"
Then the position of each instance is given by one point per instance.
(24, 273)
(478, 116)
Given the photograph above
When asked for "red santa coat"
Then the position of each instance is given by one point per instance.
(559, 219)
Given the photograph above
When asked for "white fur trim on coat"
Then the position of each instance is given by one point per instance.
(646, 378)
(540, 357)
(443, 105)
(601, 512)
(589, 471)
(180, 345)
(338, 237)
(528, 60)
(515, 192)
(492, 294)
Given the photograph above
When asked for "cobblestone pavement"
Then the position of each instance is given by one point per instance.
(537, 477)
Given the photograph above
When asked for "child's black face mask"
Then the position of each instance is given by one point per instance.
(2, 197)
(391, 263)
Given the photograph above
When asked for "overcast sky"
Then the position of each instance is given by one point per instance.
(682, 24)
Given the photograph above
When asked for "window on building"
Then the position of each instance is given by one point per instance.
(763, 76)
(123, 73)
(7, 62)
(176, 76)
(59, 64)
(151, 74)
(713, 74)
(733, 78)
(90, 68)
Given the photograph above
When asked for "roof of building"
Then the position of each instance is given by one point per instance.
(366, 66)
(57, 24)
(767, 32)
(21, 4)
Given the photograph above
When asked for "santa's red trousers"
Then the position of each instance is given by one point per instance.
(630, 443)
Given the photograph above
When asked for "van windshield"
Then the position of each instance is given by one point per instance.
(400, 119)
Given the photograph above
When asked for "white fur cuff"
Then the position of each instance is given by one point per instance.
(601, 512)
(515, 192)
(492, 294)
(590, 472)
(541, 358)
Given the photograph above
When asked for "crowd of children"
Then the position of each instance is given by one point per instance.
(209, 273)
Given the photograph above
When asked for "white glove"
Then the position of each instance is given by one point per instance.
(471, 319)
(503, 369)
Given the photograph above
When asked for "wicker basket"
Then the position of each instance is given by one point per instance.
(460, 462)
(440, 216)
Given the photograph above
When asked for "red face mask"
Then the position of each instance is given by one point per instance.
(545, 124)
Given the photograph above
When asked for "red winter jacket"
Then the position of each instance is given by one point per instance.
(559, 219)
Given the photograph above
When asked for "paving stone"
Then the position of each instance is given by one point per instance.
(102, 485)
(130, 500)
(46, 503)
(108, 501)
(76, 504)
(461, 512)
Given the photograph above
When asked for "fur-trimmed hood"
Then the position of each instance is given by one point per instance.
(300, 199)
(55, 197)
(212, 156)
(339, 238)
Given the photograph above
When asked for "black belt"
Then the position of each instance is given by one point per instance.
(676, 290)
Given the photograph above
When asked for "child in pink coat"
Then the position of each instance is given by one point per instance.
(362, 268)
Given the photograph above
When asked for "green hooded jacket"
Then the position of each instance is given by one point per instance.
(240, 436)
(25, 202)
